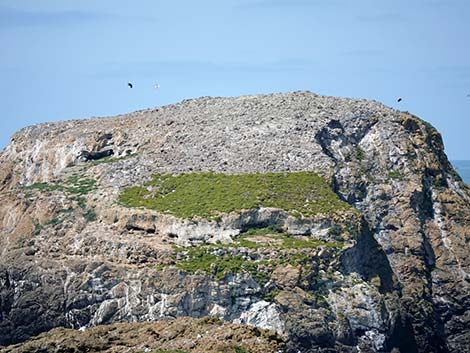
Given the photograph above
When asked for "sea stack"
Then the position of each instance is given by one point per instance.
(281, 222)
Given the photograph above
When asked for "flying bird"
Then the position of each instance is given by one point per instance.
(399, 100)
(130, 85)
(157, 86)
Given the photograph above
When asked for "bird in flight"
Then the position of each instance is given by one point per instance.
(399, 100)
(156, 86)
(130, 85)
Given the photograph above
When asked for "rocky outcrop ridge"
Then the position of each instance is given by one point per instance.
(171, 336)
(392, 276)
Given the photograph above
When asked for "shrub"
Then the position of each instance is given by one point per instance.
(209, 194)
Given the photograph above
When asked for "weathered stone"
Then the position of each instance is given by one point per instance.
(401, 280)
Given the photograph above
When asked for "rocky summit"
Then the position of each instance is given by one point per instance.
(270, 223)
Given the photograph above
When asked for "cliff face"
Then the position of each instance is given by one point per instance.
(382, 265)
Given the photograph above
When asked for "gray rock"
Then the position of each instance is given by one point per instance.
(401, 281)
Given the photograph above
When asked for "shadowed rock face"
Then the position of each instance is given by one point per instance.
(72, 256)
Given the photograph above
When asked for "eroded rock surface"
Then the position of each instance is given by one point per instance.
(393, 275)
(171, 336)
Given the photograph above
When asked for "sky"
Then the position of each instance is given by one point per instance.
(68, 59)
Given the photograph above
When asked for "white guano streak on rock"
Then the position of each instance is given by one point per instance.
(440, 223)
(64, 155)
(44, 161)
(264, 315)
(70, 275)
(364, 316)
(446, 240)
(372, 340)
(131, 299)
(34, 156)
(163, 304)
(218, 311)
(12, 215)
(455, 186)
(153, 308)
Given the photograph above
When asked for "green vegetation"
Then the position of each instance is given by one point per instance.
(90, 215)
(37, 228)
(360, 154)
(269, 296)
(335, 230)
(44, 187)
(396, 175)
(204, 259)
(159, 267)
(104, 160)
(348, 226)
(53, 222)
(209, 194)
(76, 187)
(297, 259)
(81, 201)
(72, 185)
(238, 349)
(218, 261)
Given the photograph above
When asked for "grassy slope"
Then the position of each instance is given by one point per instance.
(208, 194)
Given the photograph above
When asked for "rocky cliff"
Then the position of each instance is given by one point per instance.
(337, 223)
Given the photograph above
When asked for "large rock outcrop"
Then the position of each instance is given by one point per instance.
(390, 273)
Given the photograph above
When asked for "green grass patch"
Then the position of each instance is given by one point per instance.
(269, 296)
(44, 187)
(159, 267)
(238, 349)
(81, 201)
(90, 215)
(37, 228)
(104, 160)
(204, 259)
(299, 259)
(209, 194)
(396, 175)
(53, 222)
(360, 154)
(335, 230)
(79, 186)
(73, 185)
(218, 261)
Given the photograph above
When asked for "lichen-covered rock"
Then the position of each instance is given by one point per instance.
(390, 272)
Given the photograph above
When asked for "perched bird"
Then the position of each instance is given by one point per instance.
(399, 100)
(130, 85)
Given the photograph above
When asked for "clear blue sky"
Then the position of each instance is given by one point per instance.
(67, 59)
